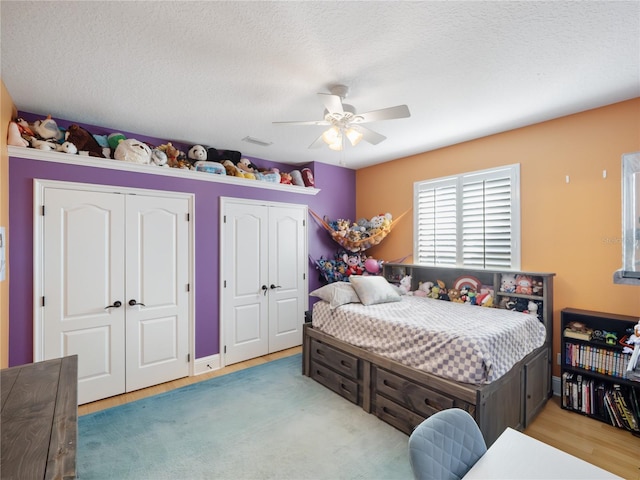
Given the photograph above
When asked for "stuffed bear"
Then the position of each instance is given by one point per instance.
(508, 283)
(197, 153)
(134, 151)
(175, 157)
(84, 142)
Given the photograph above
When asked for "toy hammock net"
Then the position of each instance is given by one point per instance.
(366, 241)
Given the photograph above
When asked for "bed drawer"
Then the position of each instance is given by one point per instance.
(336, 382)
(397, 416)
(417, 398)
(341, 362)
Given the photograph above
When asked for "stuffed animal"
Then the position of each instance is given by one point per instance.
(537, 286)
(454, 295)
(285, 178)
(197, 153)
(405, 285)
(231, 169)
(353, 264)
(523, 285)
(175, 157)
(442, 293)
(296, 178)
(307, 177)
(508, 283)
(47, 129)
(159, 158)
(25, 129)
(67, 147)
(210, 167)
(43, 144)
(114, 139)
(214, 155)
(84, 142)
(247, 169)
(134, 151)
(13, 136)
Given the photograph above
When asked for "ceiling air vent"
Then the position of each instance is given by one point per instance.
(255, 141)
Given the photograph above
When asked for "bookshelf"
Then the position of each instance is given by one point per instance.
(593, 368)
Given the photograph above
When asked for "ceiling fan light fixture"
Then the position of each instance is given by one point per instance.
(354, 136)
(331, 135)
(337, 143)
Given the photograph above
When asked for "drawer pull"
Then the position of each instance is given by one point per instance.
(345, 364)
(388, 412)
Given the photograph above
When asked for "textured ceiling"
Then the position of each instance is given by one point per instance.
(216, 72)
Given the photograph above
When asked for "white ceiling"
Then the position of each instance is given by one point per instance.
(216, 72)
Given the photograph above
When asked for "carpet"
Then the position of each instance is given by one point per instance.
(264, 422)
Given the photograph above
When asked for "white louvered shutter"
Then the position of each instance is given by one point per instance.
(471, 220)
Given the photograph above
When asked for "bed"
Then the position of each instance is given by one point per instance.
(367, 353)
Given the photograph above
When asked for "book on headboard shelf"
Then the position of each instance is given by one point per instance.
(578, 330)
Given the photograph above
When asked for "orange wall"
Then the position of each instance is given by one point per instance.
(7, 110)
(573, 230)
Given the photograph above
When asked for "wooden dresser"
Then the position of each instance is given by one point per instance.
(39, 420)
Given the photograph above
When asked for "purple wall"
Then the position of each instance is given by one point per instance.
(336, 199)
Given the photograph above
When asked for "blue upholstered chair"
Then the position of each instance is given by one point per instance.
(445, 446)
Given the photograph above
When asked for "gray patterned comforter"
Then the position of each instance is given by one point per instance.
(465, 343)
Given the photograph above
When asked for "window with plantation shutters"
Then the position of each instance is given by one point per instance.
(470, 220)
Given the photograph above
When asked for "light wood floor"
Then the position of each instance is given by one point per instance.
(608, 447)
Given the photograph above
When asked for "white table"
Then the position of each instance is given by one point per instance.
(515, 455)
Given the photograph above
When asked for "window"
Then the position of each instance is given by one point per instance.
(469, 220)
(631, 216)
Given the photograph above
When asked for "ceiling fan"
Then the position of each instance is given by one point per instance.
(343, 121)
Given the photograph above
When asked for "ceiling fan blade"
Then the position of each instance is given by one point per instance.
(310, 122)
(317, 143)
(369, 135)
(333, 103)
(399, 111)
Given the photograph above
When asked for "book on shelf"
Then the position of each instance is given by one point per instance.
(578, 330)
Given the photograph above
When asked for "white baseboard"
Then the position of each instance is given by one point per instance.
(556, 386)
(206, 364)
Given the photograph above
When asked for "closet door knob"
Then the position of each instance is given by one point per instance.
(133, 303)
(264, 290)
(273, 287)
(116, 304)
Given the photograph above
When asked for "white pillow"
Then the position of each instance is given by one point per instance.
(374, 289)
(337, 294)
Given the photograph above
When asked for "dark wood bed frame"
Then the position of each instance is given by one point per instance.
(403, 396)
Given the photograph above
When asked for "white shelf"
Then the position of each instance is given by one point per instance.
(86, 161)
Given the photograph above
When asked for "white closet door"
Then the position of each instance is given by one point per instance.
(83, 270)
(287, 267)
(245, 275)
(263, 261)
(157, 326)
(105, 254)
